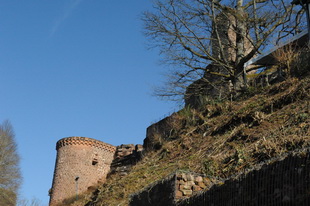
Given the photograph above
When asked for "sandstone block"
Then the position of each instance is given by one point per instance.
(198, 179)
(187, 192)
(185, 187)
(184, 176)
(196, 188)
(127, 153)
(202, 185)
(190, 177)
(123, 173)
(139, 147)
(190, 183)
(178, 194)
(127, 146)
(206, 180)
(181, 182)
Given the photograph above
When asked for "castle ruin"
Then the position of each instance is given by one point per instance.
(224, 47)
(81, 163)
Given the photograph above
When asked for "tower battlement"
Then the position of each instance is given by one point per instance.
(84, 141)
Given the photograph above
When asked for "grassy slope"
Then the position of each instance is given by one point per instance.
(222, 139)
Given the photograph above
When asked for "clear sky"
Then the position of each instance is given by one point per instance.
(75, 68)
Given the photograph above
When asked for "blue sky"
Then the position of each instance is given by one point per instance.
(75, 68)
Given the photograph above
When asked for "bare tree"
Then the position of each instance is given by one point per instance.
(10, 177)
(211, 40)
(32, 202)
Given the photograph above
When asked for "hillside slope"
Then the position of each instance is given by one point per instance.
(220, 139)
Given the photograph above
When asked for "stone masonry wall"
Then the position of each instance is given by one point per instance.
(176, 186)
(284, 182)
(160, 193)
(159, 132)
(81, 163)
(279, 182)
(225, 24)
(188, 183)
(126, 156)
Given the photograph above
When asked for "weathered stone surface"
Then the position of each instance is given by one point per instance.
(280, 182)
(178, 194)
(196, 188)
(159, 131)
(202, 185)
(123, 173)
(126, 156)
(139, 147)
(190, 183)
(184, 177)
(190, 177)
(276, 182)
(160, 193)
(80, 160)
(187, 192)
(182, 182)
(185, 187)
(198, 179)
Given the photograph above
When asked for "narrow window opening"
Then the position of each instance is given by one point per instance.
(95, 161)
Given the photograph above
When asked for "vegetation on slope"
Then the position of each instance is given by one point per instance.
(221, 139)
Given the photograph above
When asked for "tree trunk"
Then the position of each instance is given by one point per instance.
(241, 34)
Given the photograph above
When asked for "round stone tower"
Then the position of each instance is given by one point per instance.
(81, 162)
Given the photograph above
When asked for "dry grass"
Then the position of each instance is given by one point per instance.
(222, 139)
(294, 61)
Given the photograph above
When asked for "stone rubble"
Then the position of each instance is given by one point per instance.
(126, 156)
(188, 183)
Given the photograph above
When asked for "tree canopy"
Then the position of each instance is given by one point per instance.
(194, 34)
(10, 177)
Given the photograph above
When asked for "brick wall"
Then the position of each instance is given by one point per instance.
(81, 163)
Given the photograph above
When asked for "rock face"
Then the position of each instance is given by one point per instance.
(81, 163)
